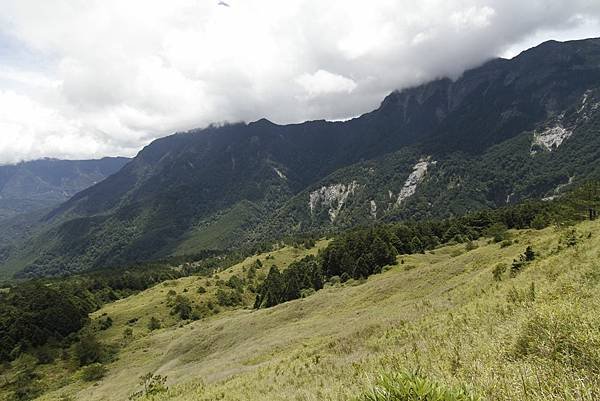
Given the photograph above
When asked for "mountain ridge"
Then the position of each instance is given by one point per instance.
(256, 176)
(37, 184)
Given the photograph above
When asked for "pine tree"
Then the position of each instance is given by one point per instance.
(272, 289)
(364, 267)
(416, 245)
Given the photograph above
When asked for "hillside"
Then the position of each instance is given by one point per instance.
(41, 184)
(444, 314)
(503, 132)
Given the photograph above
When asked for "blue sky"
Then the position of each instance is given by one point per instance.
(90, 78)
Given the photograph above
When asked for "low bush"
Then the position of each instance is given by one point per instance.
(154, 324)
(152, 385)
(413, 387)
(93, 372)
(499, 270)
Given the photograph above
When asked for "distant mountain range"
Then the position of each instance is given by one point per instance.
(503, 132)
(40, 184)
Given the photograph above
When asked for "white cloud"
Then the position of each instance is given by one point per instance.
(324, 82)
(28, 129)
(472, 18)
(116, 74)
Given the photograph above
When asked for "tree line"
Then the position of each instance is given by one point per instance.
(361, 252)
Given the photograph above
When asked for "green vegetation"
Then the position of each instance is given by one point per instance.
(281, 287)
(151, 385)
(465, 334)
(360, 253)
(438, 313)
(499, 271)
(112, 330)
(412, 387)
(154, 324)
(50, 311)
(32, 314)
(182, 306)
(93, 372)
(523, 260)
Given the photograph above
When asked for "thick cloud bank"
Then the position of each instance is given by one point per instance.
(87, 78)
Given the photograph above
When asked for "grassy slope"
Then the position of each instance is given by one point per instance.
(441, 312)
(153, 302)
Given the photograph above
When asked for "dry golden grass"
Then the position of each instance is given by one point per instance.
(441, 313)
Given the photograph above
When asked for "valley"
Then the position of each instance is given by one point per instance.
(42, 184)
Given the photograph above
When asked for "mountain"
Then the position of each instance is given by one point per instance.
(41, 184)
(505, 131)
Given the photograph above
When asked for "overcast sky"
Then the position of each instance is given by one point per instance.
(91, 78)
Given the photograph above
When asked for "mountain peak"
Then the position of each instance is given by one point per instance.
(263, 122)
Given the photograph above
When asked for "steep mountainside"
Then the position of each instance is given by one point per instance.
(39, 184)
(507, 130)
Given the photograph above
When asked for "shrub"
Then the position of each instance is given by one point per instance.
(470, 246)
(45, 355)
(570, 238)
(105, 323)
(516, 267)
(153, 324)
(498, 232)
(88, 350)
(93, 372)
(540, 221)
(309, 243)
(235, 283)
(413, 387)
(520, 263)
(26, 380)
(228, 297)
(529, 254)
(201, 290)
(151, 385)
(251, 272)
(499, 271)
(182, 306)
(128, 333)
